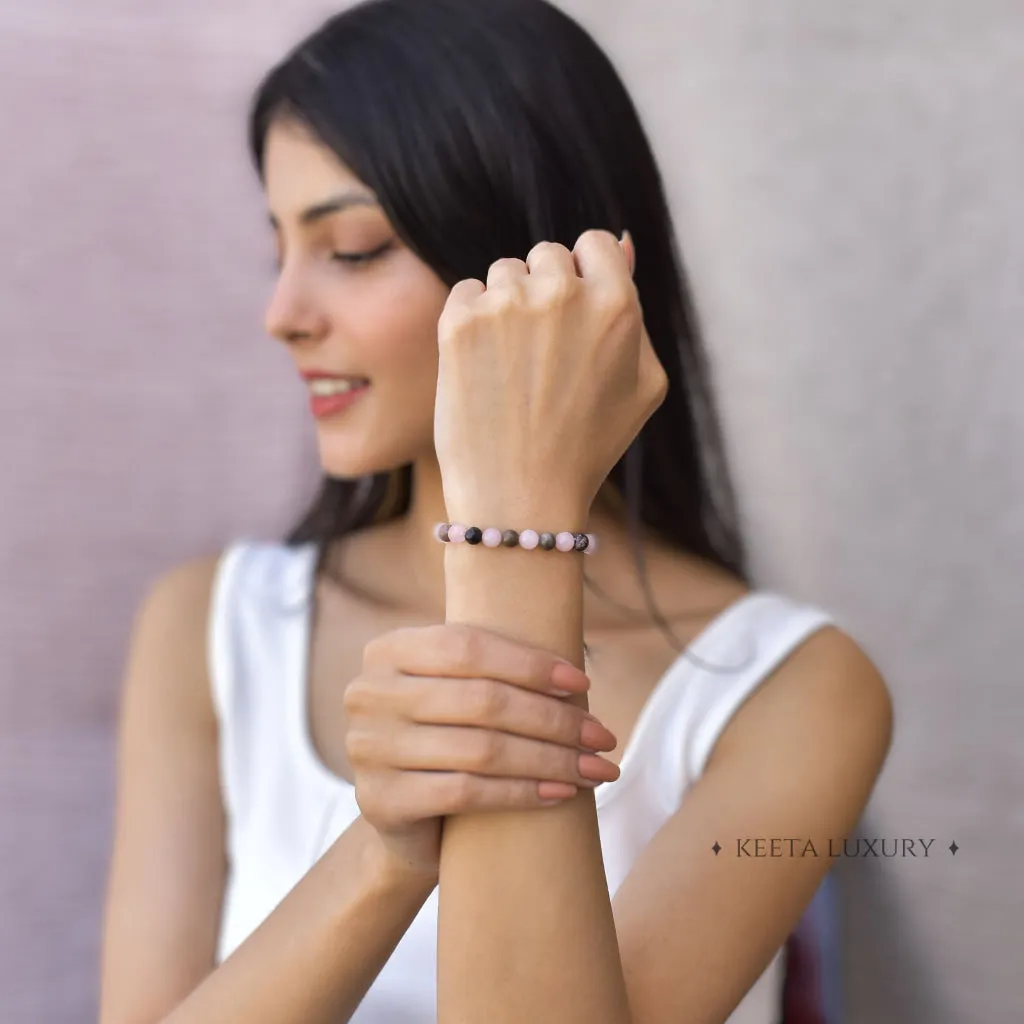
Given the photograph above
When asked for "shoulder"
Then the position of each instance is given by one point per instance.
(827, 691)
(167, 660)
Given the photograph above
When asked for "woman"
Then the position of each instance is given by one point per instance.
(358, 779)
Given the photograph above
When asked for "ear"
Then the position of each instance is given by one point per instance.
(626, 241)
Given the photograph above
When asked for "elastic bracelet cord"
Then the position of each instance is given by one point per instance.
(492, 537)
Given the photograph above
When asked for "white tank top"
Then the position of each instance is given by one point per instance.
(284, 807)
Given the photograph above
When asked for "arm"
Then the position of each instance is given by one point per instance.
(315, 955)
(546, 947)
(797, 761)
(692, 931)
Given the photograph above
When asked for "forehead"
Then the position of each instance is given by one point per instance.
(299, 170)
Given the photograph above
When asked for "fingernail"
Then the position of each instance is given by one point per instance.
(593, 767)
(555, 792)
(565, 675)
(594, 736)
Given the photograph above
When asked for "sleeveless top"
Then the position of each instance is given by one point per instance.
(284, 807)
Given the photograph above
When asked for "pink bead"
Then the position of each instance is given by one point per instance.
(456, 533)
(492, 537)
(529, 539)
(592, 546)
(565, 541)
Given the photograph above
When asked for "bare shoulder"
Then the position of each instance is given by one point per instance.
(168, 643)
(829, 689)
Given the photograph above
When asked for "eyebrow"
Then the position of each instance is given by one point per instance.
(334, 204)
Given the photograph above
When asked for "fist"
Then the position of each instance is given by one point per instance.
(546, 374)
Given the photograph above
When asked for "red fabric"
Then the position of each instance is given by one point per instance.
(801, 993)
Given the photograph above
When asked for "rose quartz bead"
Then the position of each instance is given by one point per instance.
(492, 537)
(529, 539)
(456, 533)
(592, 546)
(565, 541)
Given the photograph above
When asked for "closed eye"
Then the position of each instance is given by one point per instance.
(360, 258)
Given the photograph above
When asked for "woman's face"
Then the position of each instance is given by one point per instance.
(342, 310)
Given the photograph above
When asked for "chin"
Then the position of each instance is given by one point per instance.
(350, 461)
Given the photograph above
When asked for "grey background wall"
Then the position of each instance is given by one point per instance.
(846, 179)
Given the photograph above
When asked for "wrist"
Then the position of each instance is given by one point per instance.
(541, 511)
(386, 871)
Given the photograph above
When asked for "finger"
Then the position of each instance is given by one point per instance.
(458, 307)
(506, 273)
(469, 652)
(491, 704)
(551, 258)
(465, 291)
(601, 261)
(455, 748)
(419, 795)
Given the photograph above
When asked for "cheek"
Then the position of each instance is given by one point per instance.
(394, 322)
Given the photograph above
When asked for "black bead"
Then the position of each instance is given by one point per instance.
(547, 541)
(582, 542)
(510, 538)
(474, 535)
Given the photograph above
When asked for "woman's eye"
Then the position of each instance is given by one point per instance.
(360, 258)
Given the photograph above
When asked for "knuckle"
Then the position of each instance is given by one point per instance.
(487, 750)
(379, 650)
(484, 699)
(460, 790)
(464, 648)
(547, 246)
(507, 262)
(357, 696)
(360, 745)
(551, 291)
(595, 236)
(617, 303)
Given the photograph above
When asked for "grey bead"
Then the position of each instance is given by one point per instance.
(582, 542)
(509, 538)
(547, 541)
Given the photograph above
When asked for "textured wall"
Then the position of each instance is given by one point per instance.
(847, 185)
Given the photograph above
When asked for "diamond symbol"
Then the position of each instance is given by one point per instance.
(716, 848)
(953, 847)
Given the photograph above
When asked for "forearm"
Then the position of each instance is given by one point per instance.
(525, 924)
(317, 953)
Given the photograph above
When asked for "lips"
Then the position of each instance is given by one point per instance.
(330, 405)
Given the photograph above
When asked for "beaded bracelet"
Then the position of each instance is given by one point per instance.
(492, 537)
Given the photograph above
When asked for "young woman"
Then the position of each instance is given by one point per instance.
(358, 779)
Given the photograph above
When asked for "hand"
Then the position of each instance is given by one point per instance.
(449, 719)
(546, 374)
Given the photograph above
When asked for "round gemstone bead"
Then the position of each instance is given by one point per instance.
(492, 537)
(529, 539)
(441, 531)
(565, 541)
(546, 541)
(582, 542)
(474, 535)
(510, 538)
(456, 533)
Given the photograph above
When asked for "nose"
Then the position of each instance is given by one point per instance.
(293, 314)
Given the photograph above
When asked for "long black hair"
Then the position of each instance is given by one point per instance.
(484, 127)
